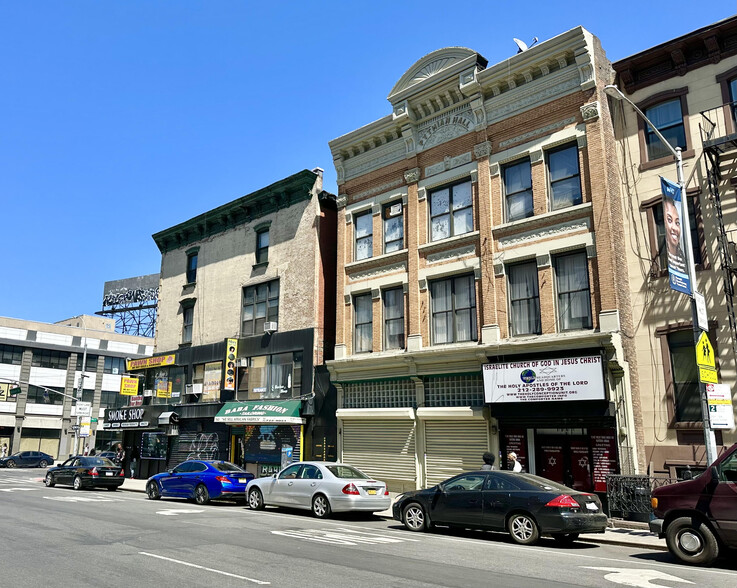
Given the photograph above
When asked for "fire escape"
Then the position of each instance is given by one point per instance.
(719, 138)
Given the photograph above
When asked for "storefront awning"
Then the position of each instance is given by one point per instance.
(261, 411)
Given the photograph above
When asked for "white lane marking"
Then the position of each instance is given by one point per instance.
(178, 511)
(341, 536)
(191, 565)
(637, 577)
(13, 489)
(81, 499)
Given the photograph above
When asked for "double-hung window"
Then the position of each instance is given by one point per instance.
(574, 296)
(393, 226)
(524, 299)
(518, 190)
(364, 224)
(114, 365)
(668, 119)
(262, 246)
(363, 316)
(564, 177)
(192, 267)
(451, 211)
(394, 318)
(684, 374)
(453, 310)
(187, 323)
(260, 304)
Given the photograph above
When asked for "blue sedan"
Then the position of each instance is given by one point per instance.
(201, 480)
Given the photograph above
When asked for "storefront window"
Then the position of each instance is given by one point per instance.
(177, 379)
(271, 377)
(212, 381)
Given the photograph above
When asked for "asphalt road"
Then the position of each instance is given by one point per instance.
(53, 537)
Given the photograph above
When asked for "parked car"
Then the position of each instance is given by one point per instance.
(201, 480)
(26, 459)
(524, 505)
(698, 517)
(106, 454)
(322, 487)
(82, 471)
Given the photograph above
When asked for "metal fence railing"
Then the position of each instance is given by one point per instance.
(718, 123)
(629, 496)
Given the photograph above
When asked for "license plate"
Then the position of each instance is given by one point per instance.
(592, 506)
(371, 491)
(108, 473)
(242, 480)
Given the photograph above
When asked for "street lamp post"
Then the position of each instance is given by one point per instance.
(709, 440)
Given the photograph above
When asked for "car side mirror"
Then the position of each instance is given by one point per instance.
(170, 472)
(274, 476)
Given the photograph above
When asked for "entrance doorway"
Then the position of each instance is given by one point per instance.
(565, 459)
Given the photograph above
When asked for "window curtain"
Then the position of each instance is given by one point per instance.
(574, 303)
(442, 309)
(465, 305)
(394, 318)
(462, 209)
(364, 331)
(525, 299)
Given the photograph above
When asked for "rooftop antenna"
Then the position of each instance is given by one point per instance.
(522, 46)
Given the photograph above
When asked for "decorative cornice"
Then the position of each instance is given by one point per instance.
(378, 271)
(451, 254)
(241, 211)
(571, 226)
(341, 201)
(445, 127)
(377, 189)
(448, 163)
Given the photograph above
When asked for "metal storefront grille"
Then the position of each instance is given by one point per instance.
(380, 394)
(458, 390)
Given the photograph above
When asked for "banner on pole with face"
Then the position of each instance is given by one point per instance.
(675, 236)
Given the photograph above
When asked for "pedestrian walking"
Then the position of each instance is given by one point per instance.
(514, 465)
(119, 457)
(4, 450)
(488, 461)
(86, 449)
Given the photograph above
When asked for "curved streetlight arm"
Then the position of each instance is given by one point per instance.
(19, 382)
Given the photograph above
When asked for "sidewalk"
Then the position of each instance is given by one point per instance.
(619, 532)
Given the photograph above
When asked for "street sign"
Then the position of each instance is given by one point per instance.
(93, 420)
(136, 400)
(84, 408)
(719, 398)
(701, 317)
(705, 353)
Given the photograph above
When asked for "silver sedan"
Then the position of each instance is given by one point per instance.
(320, 486)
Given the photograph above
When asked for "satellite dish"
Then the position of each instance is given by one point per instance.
(522, 46)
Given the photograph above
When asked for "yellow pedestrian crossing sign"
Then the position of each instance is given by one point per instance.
(705, 353)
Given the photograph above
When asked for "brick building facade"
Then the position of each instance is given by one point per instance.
(686, 86)
(479, 230)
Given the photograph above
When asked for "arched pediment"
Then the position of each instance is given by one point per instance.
(433, 64)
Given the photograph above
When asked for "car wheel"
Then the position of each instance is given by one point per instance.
(692, 541)
(10, 464)
(152, 491)
(201, 495)
(414, 518)
(255, 499)
(49, 481)
(43, 463)
(565, 538)
(77, 483)
(523, 529)
(320, 506)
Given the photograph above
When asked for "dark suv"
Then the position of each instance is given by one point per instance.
(698, 517)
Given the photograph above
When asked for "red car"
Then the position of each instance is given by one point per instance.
(698, 517)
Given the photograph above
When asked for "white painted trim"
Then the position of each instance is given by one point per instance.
(451, 412)
(543, 143)
(375, 413)
(449, 176)
(448, 269)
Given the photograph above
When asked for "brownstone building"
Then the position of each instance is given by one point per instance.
(482, 285)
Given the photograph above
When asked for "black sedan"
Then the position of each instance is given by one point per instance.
(26, 459)
(86, 472)
(524, 505)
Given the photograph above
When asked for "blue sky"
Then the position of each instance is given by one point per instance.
(123, 118)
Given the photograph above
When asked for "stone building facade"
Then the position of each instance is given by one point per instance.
(479, 242)
(687, 87)
(245, 323)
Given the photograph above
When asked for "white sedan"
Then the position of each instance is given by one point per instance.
(320, 486)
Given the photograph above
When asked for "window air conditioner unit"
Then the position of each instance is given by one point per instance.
(196, 389)
(270, 327)
(188, 389)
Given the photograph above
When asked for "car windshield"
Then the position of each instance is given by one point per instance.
(539, 483)
(344, 471)
(97, 461)
(226, 466)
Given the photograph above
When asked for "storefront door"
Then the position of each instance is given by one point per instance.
(564, 459)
